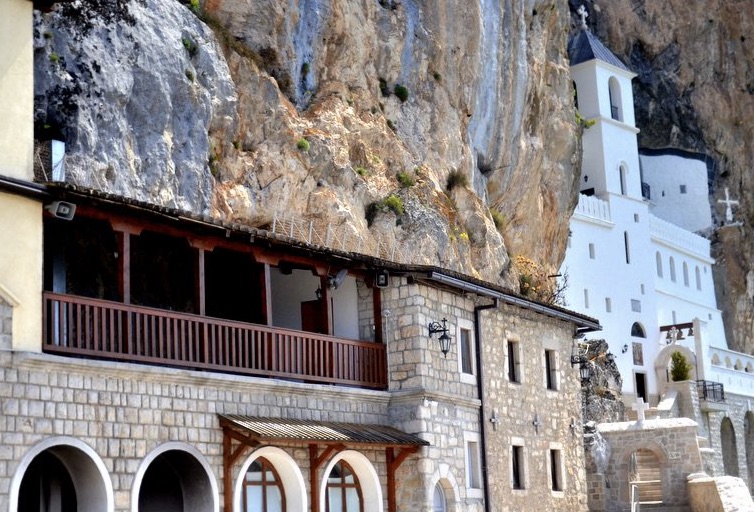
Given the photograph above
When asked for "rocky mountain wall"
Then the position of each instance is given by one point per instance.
(324, 109)
(695, 91)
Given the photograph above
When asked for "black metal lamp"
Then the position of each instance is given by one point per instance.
(444, 339)
(585, 371)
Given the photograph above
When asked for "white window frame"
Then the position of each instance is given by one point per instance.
(551, 355)
(560, 469)
(523, 465)
(519, 368)
(468, 378)
(473, 464)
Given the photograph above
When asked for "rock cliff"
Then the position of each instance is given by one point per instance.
(695, 92)
(446, 127)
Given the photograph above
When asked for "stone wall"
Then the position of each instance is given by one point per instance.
(124, 412)
(718, 494)
(672, 441)
(520, 405)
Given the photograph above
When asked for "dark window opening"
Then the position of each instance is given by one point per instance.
(556, 479)
(233, 286)
(81, 258)
(467, 365)
(513, 363)
(550, 370)
(517, 467)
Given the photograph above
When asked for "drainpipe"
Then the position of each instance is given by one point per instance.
(480, 390)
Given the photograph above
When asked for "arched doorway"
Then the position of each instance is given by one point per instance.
(749, 442)
(47, 486)
(728, 445)
(174, 480)
(645, 473)
(58, 475)
(286, 473)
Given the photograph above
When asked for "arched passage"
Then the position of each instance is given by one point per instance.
(645, 472)
(364, 472)
(173, 477)
(749, 443)
(61, 474)
(728, 445)
(662, 362)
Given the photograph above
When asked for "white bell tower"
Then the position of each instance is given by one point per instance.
(604, 96)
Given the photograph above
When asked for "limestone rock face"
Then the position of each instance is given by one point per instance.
(695, 91)
(320, 108)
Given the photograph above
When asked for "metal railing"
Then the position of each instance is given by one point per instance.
(710, 391)
(340, 237)
(78, 326)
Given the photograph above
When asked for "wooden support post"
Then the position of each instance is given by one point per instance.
(200, 285)
(124, 266)
(315, 461)
(393, 462)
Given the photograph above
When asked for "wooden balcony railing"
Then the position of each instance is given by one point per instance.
(78, 326)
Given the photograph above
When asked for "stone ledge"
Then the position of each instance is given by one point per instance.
(653, 424)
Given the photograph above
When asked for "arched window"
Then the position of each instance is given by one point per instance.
(439, 503)
(637, 331)
(672, 269)
(615, 99)
(658, 259)
(698, 277)
(622, 177)
(262, 490)
(685, 274)
(625, 244)
(343, 490)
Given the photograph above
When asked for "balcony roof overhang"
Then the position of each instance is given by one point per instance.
(272, 430)
(193, 224)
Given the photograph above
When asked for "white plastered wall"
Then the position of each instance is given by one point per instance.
(16, 89)
(21, 267)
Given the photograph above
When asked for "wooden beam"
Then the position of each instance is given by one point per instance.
(200, 288)
(230, 457)
(315, 461)
(393, 462)
(124, 265)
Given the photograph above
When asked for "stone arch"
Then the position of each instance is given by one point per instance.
(749, 445)
(443, 476)
(728, 447)
(738, 365)
(658, 263)
(727, 362)
(185, 477)
(749, 368)
(652, 450)
(88, 475)
(369, 481)
(716, 359)
(662, 361)
(290, 476)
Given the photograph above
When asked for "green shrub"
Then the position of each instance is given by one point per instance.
(194, 5)
(401, 91)
(437, 76)
(680, 369)
(47, 35)
(391, 202)
(361, 171)
(391, 125)
(383, 87)
(498, 218)
(303, 144)
(394, 203)
(405, 179)
(584, 122)
(456, 179)
(305, 69)
(190, 75)
(190, 46)
(54, 57)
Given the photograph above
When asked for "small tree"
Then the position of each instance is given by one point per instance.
(680, 369)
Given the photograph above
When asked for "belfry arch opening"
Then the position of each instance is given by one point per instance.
(173, 481)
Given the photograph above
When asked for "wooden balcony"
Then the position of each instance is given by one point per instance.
(78, 326)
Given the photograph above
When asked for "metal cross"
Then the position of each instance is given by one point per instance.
(728, 202)
(581, 11)
(494, 420)
(536, 423)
